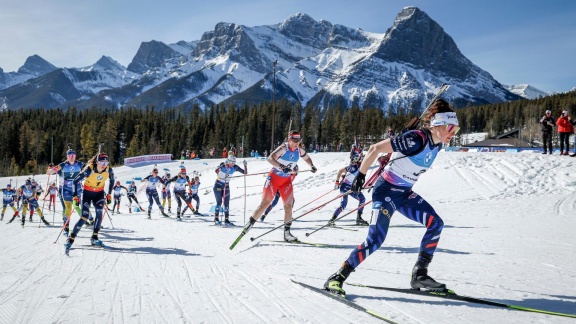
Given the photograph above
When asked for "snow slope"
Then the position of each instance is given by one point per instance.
(509, 237)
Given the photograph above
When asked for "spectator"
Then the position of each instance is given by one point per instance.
(548, 124)
(340, 147)
(265, 154)
(225, 153)
(193, 155)
(565, 129)
(212, 151)
(252, 153)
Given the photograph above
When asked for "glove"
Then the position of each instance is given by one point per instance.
(337, 185)
(285, 169)
(108, 199)
(76, 200)
(313, 169)
(358, 182)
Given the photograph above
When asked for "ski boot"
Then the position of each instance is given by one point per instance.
(163, 213)
(420, 278)
(288, 237)
(2, 217)
(227, 223)
(196, 212)
(30, 219)
(335, 281)
(178, 217)
(263, 217)
(67, 247)
(23, 220)
(45, 221)
(248, 225)
(95, 241)
(331, 222)
(149, 216)
(130, 210)
(360, 221)
(217, 221)
(169, 209)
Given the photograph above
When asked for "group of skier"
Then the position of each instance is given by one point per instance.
(403, 159)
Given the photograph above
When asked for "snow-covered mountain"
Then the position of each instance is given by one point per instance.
(64, 86)
(318, 63)
(34, 66)
(526, 91)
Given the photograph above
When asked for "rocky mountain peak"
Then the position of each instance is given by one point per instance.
(35, 65)
(304, 29)
(107, 63)
(417, 39)
(150, 55)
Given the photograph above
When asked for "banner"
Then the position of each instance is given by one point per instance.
(129, 161)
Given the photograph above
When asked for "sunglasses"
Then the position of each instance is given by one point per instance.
(452, 129)
(295, 139)
(103, 162)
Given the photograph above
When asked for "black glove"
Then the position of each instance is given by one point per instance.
(358, 182)
(285, 169)
(313, 169)
(108, 199)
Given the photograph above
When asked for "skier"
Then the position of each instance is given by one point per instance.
(96, 172)
(180, 182)
(28, 193)
(414, 152)
(151, 192)
(67, 172)
(283, 159)
(39, 191)
(222, 187)
(348, 174)
(166, 191)
(8, 195)
(131, 194)
(117, 189)
(52, 191)
(277, 197)
(193, 192)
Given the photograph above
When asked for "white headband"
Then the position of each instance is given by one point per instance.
(445, 118)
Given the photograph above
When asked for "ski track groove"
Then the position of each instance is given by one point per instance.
(271, 297)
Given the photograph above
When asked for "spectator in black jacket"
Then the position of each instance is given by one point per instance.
(548, 124)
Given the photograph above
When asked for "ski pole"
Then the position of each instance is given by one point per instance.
(245, 194)
(314, 200)
(251, 174)
(306, 213)
(353, 210)
(107, 213)
(44, 203)
(258, 185)
(63, 227)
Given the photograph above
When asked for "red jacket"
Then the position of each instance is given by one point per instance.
(564, 125)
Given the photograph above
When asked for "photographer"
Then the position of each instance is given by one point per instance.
(548, 124)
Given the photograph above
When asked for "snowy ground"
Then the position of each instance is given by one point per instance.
(509, 237)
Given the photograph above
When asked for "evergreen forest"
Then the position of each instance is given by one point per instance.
(33, 138)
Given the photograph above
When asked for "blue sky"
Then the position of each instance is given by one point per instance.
(516, 41)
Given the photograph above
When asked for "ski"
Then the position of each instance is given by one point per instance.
(322, 245)
(244, 231)
(344, 301)
(450, 294)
